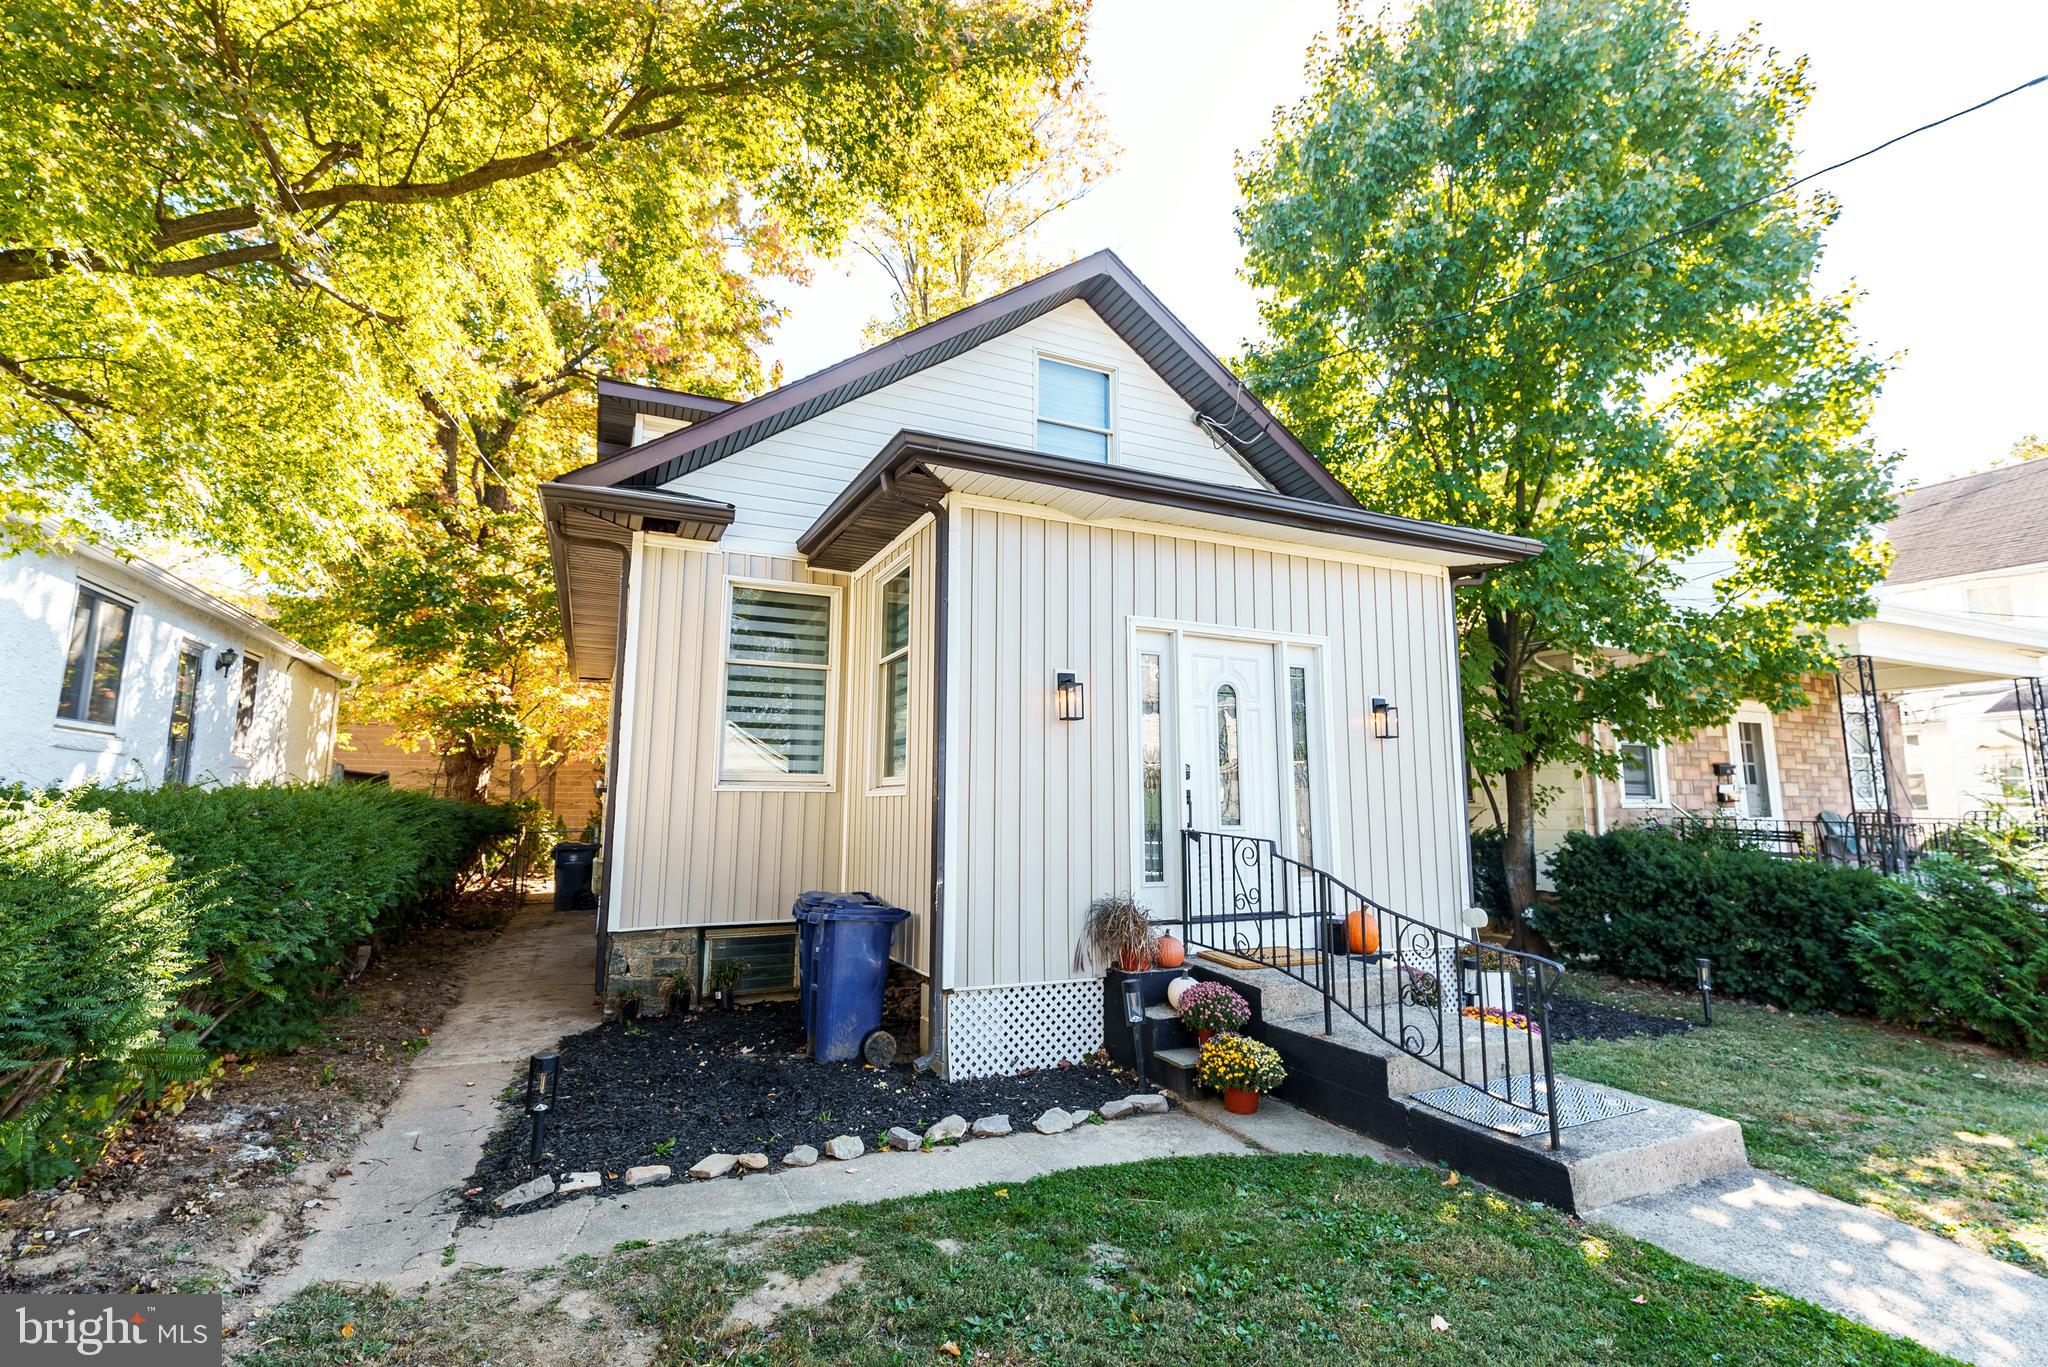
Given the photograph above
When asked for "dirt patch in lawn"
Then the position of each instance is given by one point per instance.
(208, 1198)
(675, 1089)
(1575, 1018)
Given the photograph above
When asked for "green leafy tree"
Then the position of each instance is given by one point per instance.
(223, 301)
(1683, 426)
(997, 156)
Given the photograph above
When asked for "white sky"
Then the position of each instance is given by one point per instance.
(1946, 234)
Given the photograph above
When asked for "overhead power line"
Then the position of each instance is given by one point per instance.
(1622, 254)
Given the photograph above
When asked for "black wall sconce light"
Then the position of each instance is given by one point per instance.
(1070, 699)
(225, 659)
(1386, 720)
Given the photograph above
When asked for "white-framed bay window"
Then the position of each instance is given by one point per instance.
(777, 714)
(1076, 410)
(892, 683)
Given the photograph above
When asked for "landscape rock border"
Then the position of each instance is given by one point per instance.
(951, 1131)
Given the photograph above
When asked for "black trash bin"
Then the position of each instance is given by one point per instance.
(574, 862)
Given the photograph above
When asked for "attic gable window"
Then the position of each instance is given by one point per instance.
(1074, 410)
(778, 686)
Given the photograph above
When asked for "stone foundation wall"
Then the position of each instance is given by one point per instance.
(646, 962)
(903, 994)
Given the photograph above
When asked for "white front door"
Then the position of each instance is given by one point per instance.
(1232, 738)
(1227, 738)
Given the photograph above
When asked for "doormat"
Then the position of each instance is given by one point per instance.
(1502, 1106)
(1282, 956)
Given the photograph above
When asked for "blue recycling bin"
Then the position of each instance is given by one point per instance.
(805, 912)
(843, 964)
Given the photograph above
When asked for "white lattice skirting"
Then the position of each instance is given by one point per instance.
(993, 1031)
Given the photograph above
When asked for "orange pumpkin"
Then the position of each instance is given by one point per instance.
(1170, 952)
(1362, 932)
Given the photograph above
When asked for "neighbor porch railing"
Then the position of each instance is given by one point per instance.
(1245, 898)
(1876, 840)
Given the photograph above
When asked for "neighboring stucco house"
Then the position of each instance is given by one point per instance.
(978, 621)
(118, 671)
(1977, 546)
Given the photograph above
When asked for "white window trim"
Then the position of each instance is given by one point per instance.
(1757, 712)
(241, 745)
(1659, 775)
(134, 606)
(802, 783)
(1109, 456)
(882, 784)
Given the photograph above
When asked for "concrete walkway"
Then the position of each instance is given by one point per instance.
(524, 991)
(393, 1218)
(1853, 1261)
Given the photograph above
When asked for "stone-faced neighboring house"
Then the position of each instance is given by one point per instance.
(1976, 546)
(1807, 778)
(983, 621)
(118, 671)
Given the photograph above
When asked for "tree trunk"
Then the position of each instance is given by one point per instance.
(468, 771)
(1518, 847)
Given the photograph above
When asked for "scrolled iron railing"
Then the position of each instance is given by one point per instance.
(1409, 982)
(1878, 840)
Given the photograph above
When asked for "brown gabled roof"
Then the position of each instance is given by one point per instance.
(916, 469)
(1103, 281)
(1996, 520)
(619, 400)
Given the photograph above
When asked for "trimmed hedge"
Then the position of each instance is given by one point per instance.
(1969, 956)
(1645, 902)
(93, 928)
(144, 930)
(297, 876)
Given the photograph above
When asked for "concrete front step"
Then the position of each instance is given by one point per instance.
(1357, 1080)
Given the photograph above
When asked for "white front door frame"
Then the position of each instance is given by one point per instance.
(1170, 639)
(1773, 785)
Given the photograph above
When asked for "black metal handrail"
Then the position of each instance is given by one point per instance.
(1242, 896)
(1892, 844)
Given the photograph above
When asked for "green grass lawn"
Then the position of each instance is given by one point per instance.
(1949, 1137)
(1294, 1259)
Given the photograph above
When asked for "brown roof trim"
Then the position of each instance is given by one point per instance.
(1102, 280)
(627, 511)
(877, 498)
(654, 396)
(622, 505)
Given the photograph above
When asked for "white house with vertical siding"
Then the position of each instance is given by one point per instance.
(120, 672)
(979, 621)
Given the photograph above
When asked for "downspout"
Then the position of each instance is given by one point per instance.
(941, 610)
(611, 751)
(1465, 770)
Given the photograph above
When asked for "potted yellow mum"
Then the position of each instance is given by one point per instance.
(1241, 1069)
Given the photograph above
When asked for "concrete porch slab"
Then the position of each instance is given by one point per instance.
(1653, 1150)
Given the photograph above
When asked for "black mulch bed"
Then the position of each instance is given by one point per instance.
(1574, 1018)
(740, 1082)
